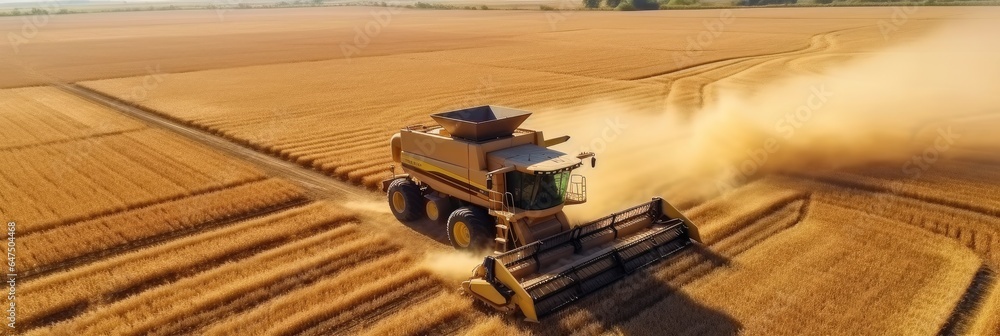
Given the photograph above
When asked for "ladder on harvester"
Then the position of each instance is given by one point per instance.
(502, 209)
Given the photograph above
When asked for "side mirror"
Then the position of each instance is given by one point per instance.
(489, 182)
(593, 161)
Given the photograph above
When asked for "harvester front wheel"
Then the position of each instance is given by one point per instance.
(468, 228)
(405, 200)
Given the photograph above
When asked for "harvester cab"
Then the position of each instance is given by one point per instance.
(501, 187)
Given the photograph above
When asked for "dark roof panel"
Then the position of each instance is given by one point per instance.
(481, 123)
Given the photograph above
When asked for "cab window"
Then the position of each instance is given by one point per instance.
(537, 191)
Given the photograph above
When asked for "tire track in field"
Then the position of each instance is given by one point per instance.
(807, 63)
(149, 241)
(734, 69)
(819, 44)
(707, 66)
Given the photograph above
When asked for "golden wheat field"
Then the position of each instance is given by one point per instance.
(842, 166)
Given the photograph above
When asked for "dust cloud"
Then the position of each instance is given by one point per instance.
(904, 106)
(452, 266)
(367, 206)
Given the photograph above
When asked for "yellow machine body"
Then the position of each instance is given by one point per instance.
(480, 159)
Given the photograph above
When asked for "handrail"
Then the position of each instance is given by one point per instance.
(502, 201)
(577, 190)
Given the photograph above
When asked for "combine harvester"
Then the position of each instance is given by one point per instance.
(501, 187)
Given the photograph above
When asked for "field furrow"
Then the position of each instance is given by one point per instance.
(87, 179)
(424, 318)
(358, 318)
(61, 295)
(324, 299)
(237, 286)
(950, 196)
(39, 116)
(134, 229)
(357, 296)
(978, 232)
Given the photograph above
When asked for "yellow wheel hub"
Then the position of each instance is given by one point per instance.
(398, 202)
(432, 210)
(461, 233)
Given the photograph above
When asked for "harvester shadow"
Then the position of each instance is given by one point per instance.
(645, 304)
(713, 258)
(431, 229)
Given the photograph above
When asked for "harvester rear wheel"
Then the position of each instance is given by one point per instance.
(405, 200)
(469, 228)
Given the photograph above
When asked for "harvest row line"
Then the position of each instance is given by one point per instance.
(53, 185)
(130, 230)
(149, 267)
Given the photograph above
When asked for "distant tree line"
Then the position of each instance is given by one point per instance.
(768, 2)
(668, 4)
(627, 5)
